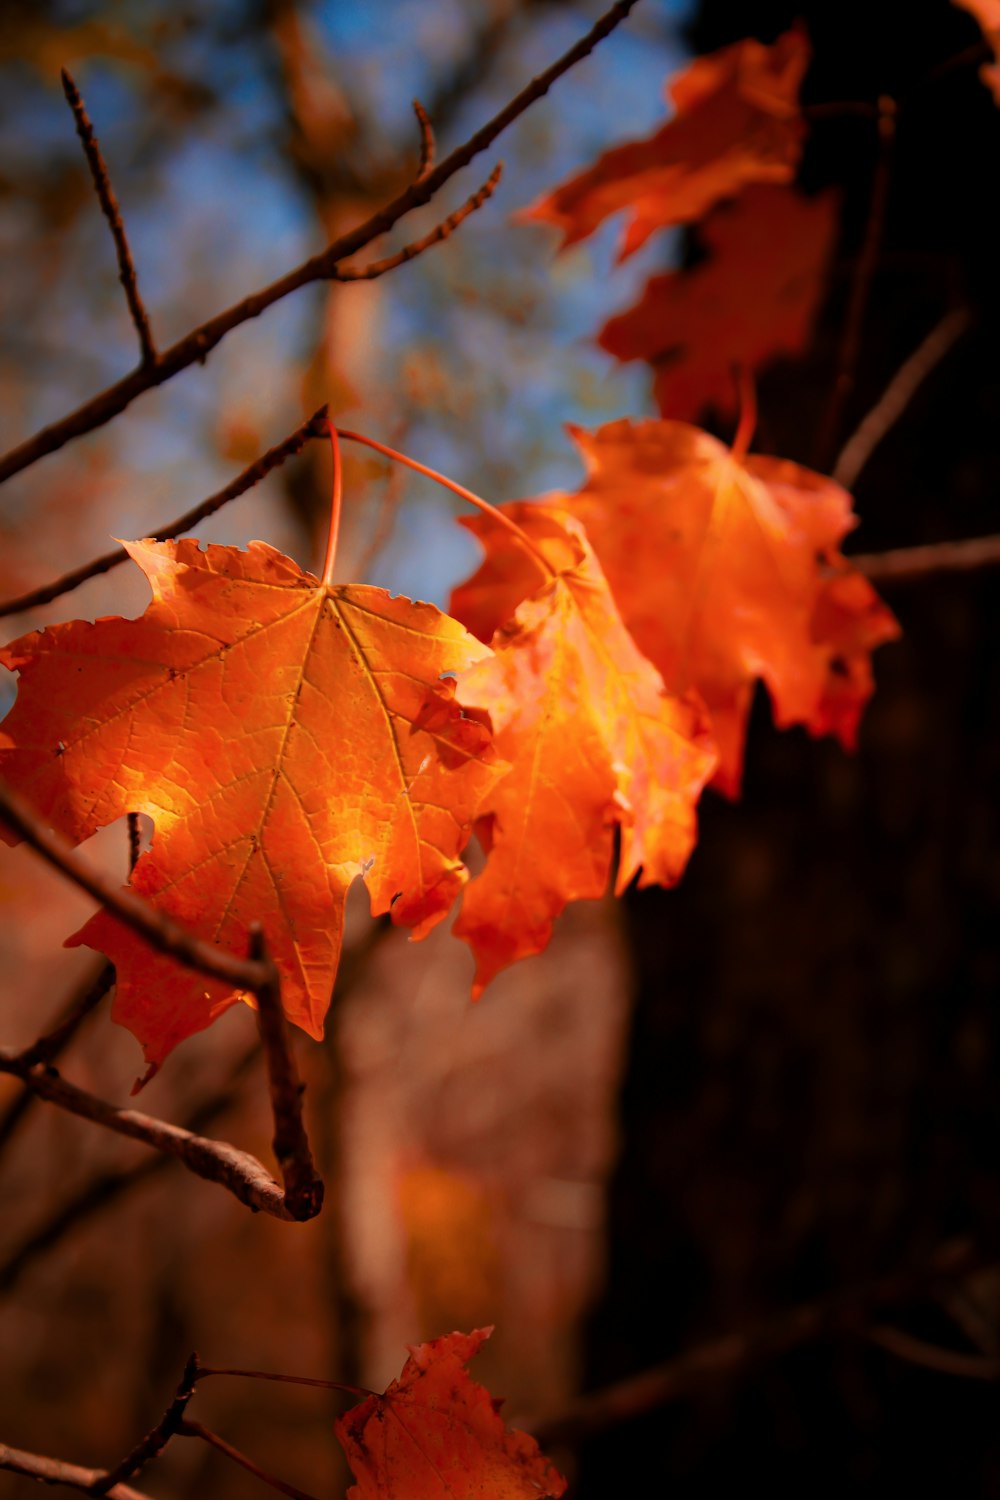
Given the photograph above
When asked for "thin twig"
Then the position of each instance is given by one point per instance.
(105, 1189)
(54, 1471)
(864, 271)
(205, 1371)
(198, 1430)
(897, 396)
(932, 1356)
(80, 1004)
(153, 1444)
(912, 564)
(252, 475)
(303, 1185)
(195, 346)
(134, 842)
(428, 146)
(109, 207)
(151, 924)
(217, 1161)
(436, 235)
(844, 1311)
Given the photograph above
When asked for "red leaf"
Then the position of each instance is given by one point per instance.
(727, 573)
(436, 1435)
(736, 121)
(755, 298)
(593, 740)
(284, 737)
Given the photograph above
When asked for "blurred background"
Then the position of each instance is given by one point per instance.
(699, 1108)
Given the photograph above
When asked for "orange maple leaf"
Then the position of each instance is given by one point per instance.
(755, 298)
(736, 121)
(593, 739)
(728, 571)
(284, 736)
(436, 1434)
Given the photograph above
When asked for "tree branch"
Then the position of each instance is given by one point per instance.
(198, 1430)
(217, 1161)
(932, 1357)
(864, 271)
(153, 1444)
(252, 475)
(198, 344)
(47, 1048)
(844, 1311)
(436, 235)
(428, 146)
(897, 396)
(303, 1185)
(911, 564)
(54, 1471)
(104, 1189)
(109, 207)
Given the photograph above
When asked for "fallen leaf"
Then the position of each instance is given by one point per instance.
(593, 739)
(284, 737)
(756, 297)
(728, 572)
(436, 1434)
(736, 121)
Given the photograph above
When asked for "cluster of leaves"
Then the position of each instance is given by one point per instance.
(286, 736)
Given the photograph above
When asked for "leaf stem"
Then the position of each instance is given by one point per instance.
(336, 498)
(324, 1385)
(199, 1430)
(747, 425)
(459, 490)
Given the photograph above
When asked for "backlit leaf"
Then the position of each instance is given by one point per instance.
(285, 737)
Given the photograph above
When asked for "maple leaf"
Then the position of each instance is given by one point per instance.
(987, 13)
(592, 737)
(755, 298)
(436, 1434)
(728, 571)
(284, 736)
(736, 121)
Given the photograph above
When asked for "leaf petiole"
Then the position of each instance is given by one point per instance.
(336, 497)
(456, 489)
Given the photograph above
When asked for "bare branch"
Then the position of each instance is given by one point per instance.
(53, 1471)
(134, 842)
(428, 146)
(196, 1429)
(303, 1185)
(864, 271)
(47, 1048)
(417, 247)
(153, 1444)
(252, 475)
(846, 1310)
(217, 1161)
(163, 934)
(109, 207)
(198, 344)
(897, 396)
(932, 1357)
(911, 564)
(107, 1187)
